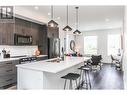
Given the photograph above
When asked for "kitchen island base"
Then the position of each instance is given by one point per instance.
(30, 79)
(47, 74)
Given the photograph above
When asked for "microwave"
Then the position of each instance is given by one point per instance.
(22, 40)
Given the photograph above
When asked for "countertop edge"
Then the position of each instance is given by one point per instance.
(12, 59)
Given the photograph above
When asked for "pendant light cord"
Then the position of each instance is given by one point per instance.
(52, 12)
(77, 17)
(67, 14)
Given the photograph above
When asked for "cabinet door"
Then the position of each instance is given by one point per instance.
(6, 80)
(18, 26)
(56, 32)
(50, 32)
(8, 72)
(0, 33)
(26, 27)
(34, 33)
(53, 32)
(4, 34)
(43, 39)
(9, 34)
(22, 27)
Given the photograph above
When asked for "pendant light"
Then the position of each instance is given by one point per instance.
(67, 28)
(52, 23)
(76, 31)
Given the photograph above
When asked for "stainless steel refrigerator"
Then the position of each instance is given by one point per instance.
(53, 47)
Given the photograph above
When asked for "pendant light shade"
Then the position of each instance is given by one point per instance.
(52, 23)
(76, 31)
(67, 28)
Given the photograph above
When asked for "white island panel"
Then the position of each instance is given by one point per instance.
(29, 79)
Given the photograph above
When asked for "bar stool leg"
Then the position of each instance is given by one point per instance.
(83, 77)
(89, 79)
(65, 84)
(86, 81)
(70, 84)
(80, 78)
(76, 83)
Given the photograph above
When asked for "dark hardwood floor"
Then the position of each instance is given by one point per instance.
(107, 78)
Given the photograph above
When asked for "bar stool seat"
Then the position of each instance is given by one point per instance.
(70, 76)
(84, 68)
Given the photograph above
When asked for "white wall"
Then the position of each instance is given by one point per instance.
(68, 40)
(102, 41)
(19, 50)
(79, 39)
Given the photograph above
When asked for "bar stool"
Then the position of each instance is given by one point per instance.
(71, 76)
(85, 73)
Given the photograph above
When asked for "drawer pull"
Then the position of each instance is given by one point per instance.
(9, 80)
(9, 70)
(9, 63)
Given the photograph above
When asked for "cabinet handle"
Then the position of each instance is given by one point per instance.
(9, 80)
(9, 63)
(9, 70)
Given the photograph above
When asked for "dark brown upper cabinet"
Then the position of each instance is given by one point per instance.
(53, 32)
(27, 28)
(39, 33)
(43, 43)
(6, 33)
(22, 27)
(34, 33)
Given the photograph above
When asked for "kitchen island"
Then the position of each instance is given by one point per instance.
(47, 74)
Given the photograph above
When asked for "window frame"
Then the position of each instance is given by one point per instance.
(89, 54)
(108, 44)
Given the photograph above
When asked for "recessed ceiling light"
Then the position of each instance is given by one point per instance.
(36, 7)
(49, 14)
(107, 20)
(58, 17)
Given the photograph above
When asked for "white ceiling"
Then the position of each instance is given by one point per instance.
(90, 17)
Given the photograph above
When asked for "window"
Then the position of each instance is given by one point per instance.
(6, 12)
(90, 45)
(114, 44)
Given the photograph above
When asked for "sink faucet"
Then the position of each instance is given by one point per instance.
(62, 54)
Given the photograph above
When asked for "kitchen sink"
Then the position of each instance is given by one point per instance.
(55, 60)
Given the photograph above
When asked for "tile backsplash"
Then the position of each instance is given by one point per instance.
(19, 50)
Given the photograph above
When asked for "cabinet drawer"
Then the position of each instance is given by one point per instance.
(6, 80)
(7, 63)
(6, 70)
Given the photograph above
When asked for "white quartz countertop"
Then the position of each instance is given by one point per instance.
(11, 59)
(53, 67)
